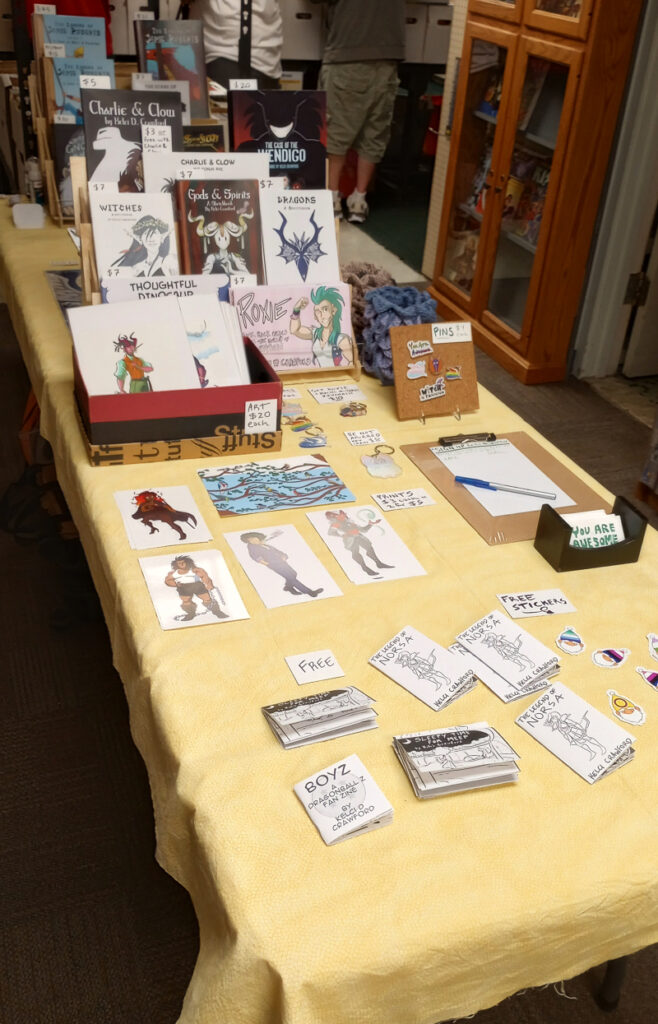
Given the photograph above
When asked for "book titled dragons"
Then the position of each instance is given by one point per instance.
(291, 127)
(113, 120)
(174, 50)
(220, 227)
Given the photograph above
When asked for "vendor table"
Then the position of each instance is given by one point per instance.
(463, 899)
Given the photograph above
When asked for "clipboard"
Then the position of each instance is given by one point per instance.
(505, 529)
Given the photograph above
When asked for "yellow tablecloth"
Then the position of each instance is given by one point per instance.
(462, 900)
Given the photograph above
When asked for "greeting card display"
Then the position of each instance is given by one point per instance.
(220, 227)
(299, 237)
(298, 327)
(434, 369)
(291, 127)
(134, 235)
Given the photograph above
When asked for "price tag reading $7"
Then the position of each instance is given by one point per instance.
(156, 138)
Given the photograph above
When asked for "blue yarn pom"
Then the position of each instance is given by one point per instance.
(388, 307)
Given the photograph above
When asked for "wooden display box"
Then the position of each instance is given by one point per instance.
(553, 536)
(162, 416)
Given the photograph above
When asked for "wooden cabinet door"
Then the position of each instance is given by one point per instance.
(503, 10)
(526, 185)
(483, 93)
(562, 17)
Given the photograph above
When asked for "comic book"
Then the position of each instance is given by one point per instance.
(134, 235)
(68, 141)
(529, 211)
(458, 758)
(299, 237)
(113, 120)
(290, 126)
(220, 227)
(66, 35)
(174, 50)
(66, 82)
(204, 138)
(320, 716)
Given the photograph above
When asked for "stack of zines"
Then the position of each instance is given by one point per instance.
(457, 758)
(321, 716)
(505, 657)
(344, 800)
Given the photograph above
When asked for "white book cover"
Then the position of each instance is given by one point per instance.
(343, 800)
(216, 341)
(132, 347)
(503, 689)
(508, 649)
(585, 739)
(162, 170)
(367, 549)
(139, 289)
(134, 235)
(193, 588)
(299, 237)
(423, 667)
(281, 566)
(158, 517)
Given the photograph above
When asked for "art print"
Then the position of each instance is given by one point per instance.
(281, 566)
(158, 517)
(367, 549)
(192, 589)
(297, 482)
(298, 327)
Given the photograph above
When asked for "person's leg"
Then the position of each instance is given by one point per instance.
(343, 121)
(364, 172)
(336, 163)
(374, 135)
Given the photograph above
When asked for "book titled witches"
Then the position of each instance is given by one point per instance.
(113, 120)
(290, 126)
(174, 50)
(220, 227)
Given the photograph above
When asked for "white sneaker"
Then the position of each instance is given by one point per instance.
(338, 205)
(357, 207)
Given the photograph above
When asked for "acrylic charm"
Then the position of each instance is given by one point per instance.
(354, 409)
(649, 676)
(625, 710)
(653, 645)
(380, 463)
(315, 438)
(570, 642)
(610, 657)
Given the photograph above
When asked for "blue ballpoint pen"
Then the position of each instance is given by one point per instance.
(491, 486)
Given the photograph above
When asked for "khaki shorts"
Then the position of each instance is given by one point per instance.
(360, 100)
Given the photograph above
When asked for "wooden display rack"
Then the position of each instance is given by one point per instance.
(91, 289)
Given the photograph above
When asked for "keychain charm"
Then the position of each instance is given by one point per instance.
(315, 437)
(380, 462)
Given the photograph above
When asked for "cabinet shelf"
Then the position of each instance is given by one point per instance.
(519, 240)
(489, 118)
(470, 212)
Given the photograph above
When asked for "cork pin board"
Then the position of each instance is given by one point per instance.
(434, 369)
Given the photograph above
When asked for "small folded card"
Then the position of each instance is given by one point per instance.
(594, 529)
(512, 653)
(321, 716)
(344, 800)
(424, 668)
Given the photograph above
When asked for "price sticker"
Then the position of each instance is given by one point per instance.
(156, 138)
(54, 50)
(45, 9)
(63, 117)
(242, 280)
(95, 82)
(242, 84)
(140, 78)
(144, 16)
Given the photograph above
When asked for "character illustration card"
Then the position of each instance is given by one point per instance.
(298, 327)
(192, 589)
(297, 482)
(299, 237)
(220, 227)
(281, 566)
(134, 236)
(367, 549)
(131, 347)
(291, 127)
(157, 517)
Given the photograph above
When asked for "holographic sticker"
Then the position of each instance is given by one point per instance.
(625, 710)
(610, 657)
(570, 641)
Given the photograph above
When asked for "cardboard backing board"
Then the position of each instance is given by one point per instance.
(434, 370)
(505, 529)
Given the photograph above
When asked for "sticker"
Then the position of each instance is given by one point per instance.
(625, 710)
(354, 409)
(243, 84)
(610, 657)
(419, 348)
(390, 501)
(535, 602)
(301, 423)
(260, 416)
(435, 390)
(54, 50)
(417, 369)
(380, 463)
(570, 641)
(453, 373)
(649, 676)
(653, 645)
(314, 666)
(95, 82)
(359, 437)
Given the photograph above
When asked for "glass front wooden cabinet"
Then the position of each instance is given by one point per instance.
(503, 10)
(561, 17)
